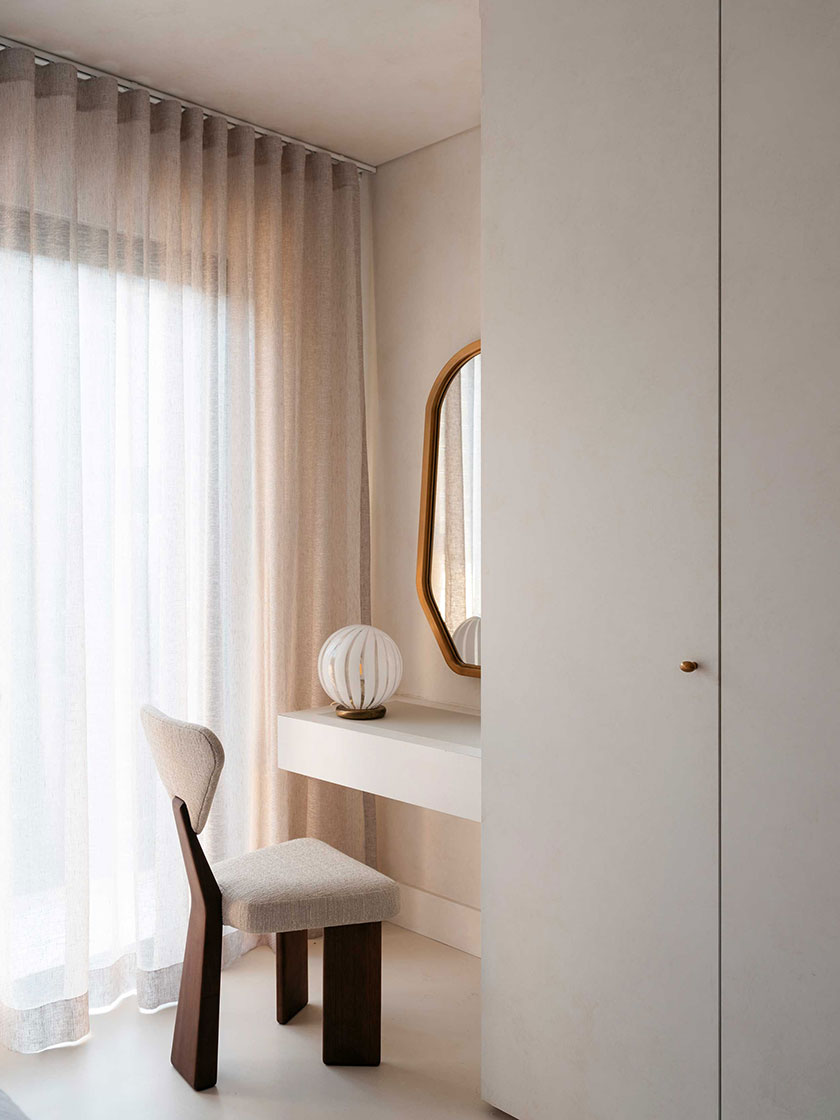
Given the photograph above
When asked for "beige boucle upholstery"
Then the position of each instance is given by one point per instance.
(302, 884)
(189, 759)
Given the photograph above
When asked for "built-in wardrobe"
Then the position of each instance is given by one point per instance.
(661, 356)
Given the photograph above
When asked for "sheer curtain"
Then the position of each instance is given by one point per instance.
(456, 545)
(183, 513)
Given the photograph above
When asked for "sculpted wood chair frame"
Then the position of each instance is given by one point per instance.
(428, 493)
(352, 978)
(285, 888)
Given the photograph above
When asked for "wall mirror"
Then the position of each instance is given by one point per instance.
(449, 548)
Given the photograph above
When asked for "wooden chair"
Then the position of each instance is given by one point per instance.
(286, 889)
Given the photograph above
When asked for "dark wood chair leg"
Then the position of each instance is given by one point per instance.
(195, 1044)
(352, 994)
(292, 974)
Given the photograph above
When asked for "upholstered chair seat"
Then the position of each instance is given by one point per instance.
(284, 890)
(302, 884)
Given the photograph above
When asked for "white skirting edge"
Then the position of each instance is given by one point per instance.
(453, 923)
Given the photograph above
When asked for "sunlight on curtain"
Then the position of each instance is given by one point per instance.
(183, 510)
(456, 543)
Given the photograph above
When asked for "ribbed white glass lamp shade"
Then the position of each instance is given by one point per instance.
(467, 639)
(360, 668)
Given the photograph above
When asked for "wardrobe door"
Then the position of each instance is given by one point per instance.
(781, 560)
(600, 455)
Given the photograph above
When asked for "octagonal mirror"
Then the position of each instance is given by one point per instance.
(449, 547)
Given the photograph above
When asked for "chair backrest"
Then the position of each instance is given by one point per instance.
(189, 759)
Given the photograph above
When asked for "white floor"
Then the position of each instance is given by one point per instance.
(430, 1052)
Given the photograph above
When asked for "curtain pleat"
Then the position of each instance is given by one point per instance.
(452, 450)
(456, 545)
(184, 514)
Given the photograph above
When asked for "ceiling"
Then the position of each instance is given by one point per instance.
(372, 79)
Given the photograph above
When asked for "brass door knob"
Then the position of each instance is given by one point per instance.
(688, 666)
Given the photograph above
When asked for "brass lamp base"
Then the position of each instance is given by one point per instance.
(360, 713)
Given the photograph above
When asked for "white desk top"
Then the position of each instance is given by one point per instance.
(422, 753)
(412, 721)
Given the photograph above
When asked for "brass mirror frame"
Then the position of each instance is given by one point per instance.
(431, 444)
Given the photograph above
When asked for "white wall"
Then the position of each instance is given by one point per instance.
(426, 237)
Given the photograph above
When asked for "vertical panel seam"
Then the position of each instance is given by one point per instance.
(720, 542)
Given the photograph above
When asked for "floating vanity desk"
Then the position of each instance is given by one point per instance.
(420, 753)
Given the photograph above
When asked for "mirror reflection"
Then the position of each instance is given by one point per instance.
(456, 528)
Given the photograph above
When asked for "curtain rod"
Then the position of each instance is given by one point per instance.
(157, 95)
